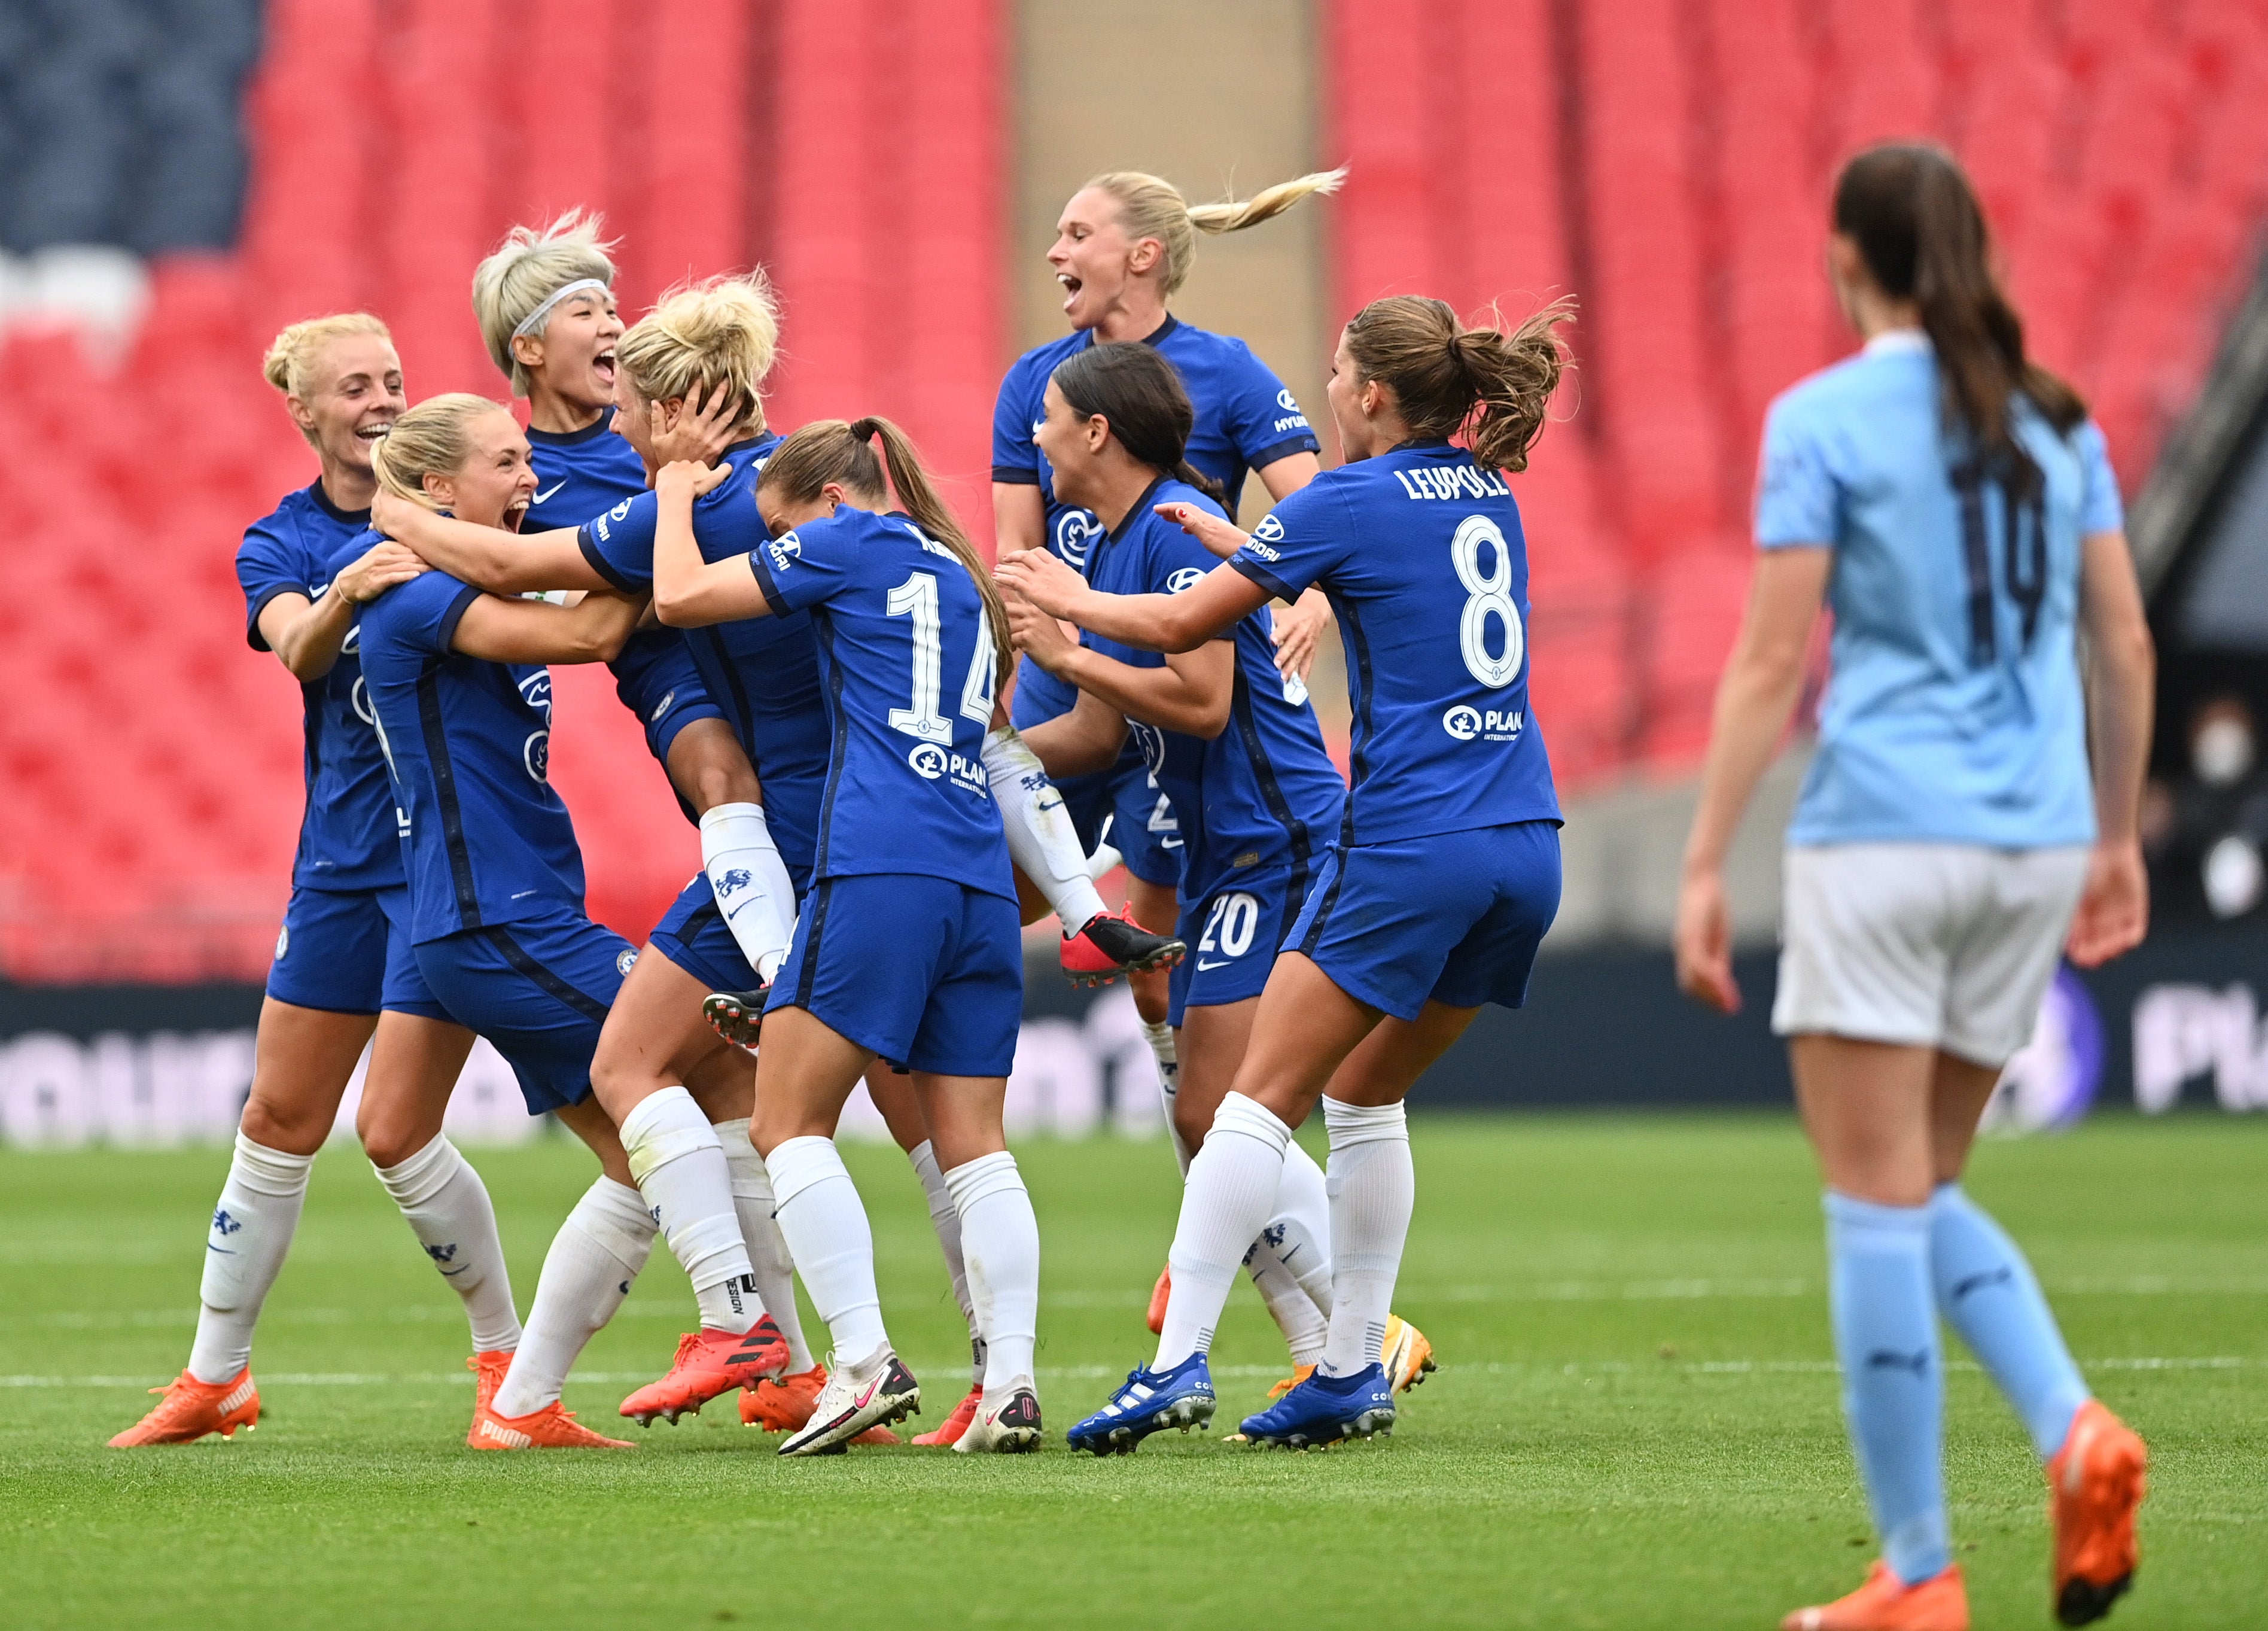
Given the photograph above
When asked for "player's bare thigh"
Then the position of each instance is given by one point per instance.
(655, 1038)
(301, 1061)
(414, 1062)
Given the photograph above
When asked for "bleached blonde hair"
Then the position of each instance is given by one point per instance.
(431, 439)
(723, 331)
(1150, 206)
(291, 357)
(528, 267)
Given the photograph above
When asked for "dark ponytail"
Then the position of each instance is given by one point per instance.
(1141, 396)
(829, 450)
(1916, 220)
(1492, 386)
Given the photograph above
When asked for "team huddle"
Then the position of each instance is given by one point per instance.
(897, 758)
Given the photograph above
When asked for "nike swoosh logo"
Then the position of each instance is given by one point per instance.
(1203, 965)
(227, 1252)
(553, 493)
(866, 1398)
(451, 1273)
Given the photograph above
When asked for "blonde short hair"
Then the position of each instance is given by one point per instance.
(429, 440)
(724, 331)
(528, 267)
(1150, 206)
(292, 355)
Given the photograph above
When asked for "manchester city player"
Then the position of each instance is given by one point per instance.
(908, 948)
(463, 707)
(1233, 744)
(1445, 871)
(1124, 245)
(343, 953)
(1953, 503)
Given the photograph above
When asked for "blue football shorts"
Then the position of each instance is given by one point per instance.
(347, 951)
(539, 990)
(1233, 935)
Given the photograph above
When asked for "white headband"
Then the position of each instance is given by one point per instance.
(534, 320)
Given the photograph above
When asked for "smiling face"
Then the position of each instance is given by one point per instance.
(1095, 262)
(573, 358)
(1353, 400)
(356, 394)
(1072, 446)
(493, 485)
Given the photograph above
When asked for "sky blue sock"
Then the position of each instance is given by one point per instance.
(1893, 1382)
(1986, 1290)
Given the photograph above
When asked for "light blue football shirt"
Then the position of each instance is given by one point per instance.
(1953, 713)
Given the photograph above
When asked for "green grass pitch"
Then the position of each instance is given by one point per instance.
(1635, 1423)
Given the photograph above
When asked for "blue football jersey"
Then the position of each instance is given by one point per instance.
(346, 837)
(1246, 417)
(762, 672)
(1261, 792)
(1421, 552)
(580, 474)
(906, 660)
(469, 743)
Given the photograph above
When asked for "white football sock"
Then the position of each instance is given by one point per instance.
(251, 1230)
(750, 882)
(1374, 1188)
(1041, 841)
(1002, 1239)
(768, 1256)
(679, 1163)
(1103, 862)
(587, 1272)
(1291, 1262)
(1160, 1039)
(945, 1218)
(1228, 1199)
(448, 1209)
(825, 1227)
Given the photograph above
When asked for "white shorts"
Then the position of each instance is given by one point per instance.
(1949, 945)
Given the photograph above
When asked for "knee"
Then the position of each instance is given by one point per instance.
(294, 1130)
(1191, 1127)
(1152, 993)
(389, 1139)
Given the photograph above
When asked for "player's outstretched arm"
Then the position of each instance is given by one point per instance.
(487, 557)
(1754, 700)
(502, 630)
(689, 593)
(2122, 677)
(1190, 694)
(1157, 622)
(307, 635)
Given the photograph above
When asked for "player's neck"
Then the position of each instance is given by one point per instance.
(1119, 485)
(1139, 314)
(554, 415)
(346, 487)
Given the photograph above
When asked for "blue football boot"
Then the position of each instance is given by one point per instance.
(1323, 1410)
(1151, 1402)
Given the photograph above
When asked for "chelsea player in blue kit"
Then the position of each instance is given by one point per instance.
(1234, 743)
(683, 382)
(1124, 245)
(343, 953)
(496, 879)
(1445, 871)
(909, 947)
(1951, 502)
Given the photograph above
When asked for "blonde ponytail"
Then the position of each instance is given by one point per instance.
(1150, 206)
(431, 439)
(725, 331)
(528, 267)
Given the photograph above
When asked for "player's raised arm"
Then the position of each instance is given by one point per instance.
(689, 593)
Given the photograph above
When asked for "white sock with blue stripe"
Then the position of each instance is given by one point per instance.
(1229, 1197)
(1041, 840)
(750, 882)
(251, 1230)
(679, 1163)
(1893, 1378)
(447, 1207)
(1374, 1189)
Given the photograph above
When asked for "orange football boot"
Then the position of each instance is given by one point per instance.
(191, 1409)
(784, 1404)
(2094, 1483)
(551, 1427)
(710, 1362)
(1406, 1353)
(1158, 1295)
(949, 1430)
(1299, 1373)
(1886, 1603)
(487, 1368)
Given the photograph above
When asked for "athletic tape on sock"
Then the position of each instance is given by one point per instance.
(663, 1127)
